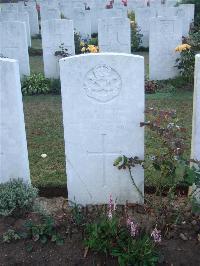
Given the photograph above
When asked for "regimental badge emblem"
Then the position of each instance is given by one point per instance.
(102, 83)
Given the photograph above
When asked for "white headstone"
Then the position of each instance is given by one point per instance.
(167, 12)
(13, 44)
(195, 151)
(55, 33)
(143, 17)
(17, 16)
(134, 4)
(165, 36)
(186, 14)
(33, 19)
(66, 9)
(13, 147)
(82, 23)
(103, 105)
(171, 3)
(114, 35)
(49, 13)
(155, 3)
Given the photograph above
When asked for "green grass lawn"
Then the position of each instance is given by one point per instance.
(44, 128)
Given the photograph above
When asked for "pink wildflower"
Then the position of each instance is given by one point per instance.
(156, 234)
(110, 208)
(133, 227)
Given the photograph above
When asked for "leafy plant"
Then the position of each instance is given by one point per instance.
(77, 214)
(44, 232)
(131, 15)
(77, 41)
(108, 236)
(136, 37)
(186, 64)
(93, 41)
(16, 197)
(35, 84)
(135, 251)
(10, 235)
(101, 236)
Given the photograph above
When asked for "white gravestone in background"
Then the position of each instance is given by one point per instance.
(54, 33)
(17, 16)
(103, 105)
(33, 19)
(66, 9)
(186, 14)
(13, 44)
(165, 36)
(170, 3)
(134, 4)
(155, 3)
(82, 23)
(195, 151)
(114, 35)
(143, 17)
(49, 13)
(13, 147)
(166, 12)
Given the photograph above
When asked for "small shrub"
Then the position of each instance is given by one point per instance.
(139, 251)
(186, 62)
(77, 40)
(10, 235)
(93, 41)
(44, 232)
(136, 37)
(35, 84)
(16, 198)
(131, 15)
(101, 236)
(111, 238)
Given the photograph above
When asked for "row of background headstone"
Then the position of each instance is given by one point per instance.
(114, 36)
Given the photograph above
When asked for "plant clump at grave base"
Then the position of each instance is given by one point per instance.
(16, 198)
(123, 239)
(37, 84)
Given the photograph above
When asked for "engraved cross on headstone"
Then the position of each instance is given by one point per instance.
(104, 153)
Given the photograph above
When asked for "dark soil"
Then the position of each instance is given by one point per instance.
(173, 249)
(61, 191)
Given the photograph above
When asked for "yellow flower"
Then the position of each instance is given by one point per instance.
(93, 49)
(82, 43)
(183, 47)
(83, 50)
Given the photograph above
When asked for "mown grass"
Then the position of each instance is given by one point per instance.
(44, 127)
